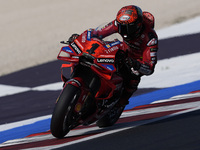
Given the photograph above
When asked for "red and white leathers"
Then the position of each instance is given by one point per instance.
(142, 48)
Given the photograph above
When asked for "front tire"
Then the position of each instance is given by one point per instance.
(63, 117)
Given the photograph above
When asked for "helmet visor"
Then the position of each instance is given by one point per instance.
(128, 29)
(123, 29)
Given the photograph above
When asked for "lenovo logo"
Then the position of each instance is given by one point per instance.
(105, 60)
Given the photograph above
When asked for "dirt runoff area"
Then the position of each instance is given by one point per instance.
(31, 29)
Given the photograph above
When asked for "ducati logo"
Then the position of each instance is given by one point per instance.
(76, 48)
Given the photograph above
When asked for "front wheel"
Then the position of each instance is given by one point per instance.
(111, 117)
(64, 117)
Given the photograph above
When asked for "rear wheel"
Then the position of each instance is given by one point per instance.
(64, 118)
(111, 117)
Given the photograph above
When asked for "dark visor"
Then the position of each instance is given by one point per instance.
(127, 29)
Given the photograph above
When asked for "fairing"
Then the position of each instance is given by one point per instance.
(101, 53)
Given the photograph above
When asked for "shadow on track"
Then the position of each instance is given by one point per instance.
(178, 132)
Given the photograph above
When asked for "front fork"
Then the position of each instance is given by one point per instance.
(89, 84)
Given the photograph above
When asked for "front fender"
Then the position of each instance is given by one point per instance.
(75, 82)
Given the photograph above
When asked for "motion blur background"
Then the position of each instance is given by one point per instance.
(31, 29)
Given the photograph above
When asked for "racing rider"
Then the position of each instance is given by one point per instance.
(140, 42)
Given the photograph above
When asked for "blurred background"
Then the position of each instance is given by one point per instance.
(30, 30)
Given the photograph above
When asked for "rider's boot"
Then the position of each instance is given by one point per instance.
(126, 94)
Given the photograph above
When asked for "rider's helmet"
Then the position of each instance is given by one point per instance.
(129, 21)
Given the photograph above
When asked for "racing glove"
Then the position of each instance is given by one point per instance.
(133, 66)
(73, 37)
(138, 68)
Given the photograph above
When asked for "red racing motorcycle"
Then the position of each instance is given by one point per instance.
(92, 92)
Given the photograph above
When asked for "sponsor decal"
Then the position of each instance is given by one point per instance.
(129, 12)
(112, 44)
(79, 44)
(107, 56)
(115, 43)
(112, 49)
(67, 49)
(84, 38)
(77, 57)
(153, 58)
(144, 69)
(152, 42)
(76, 48)
(153, 54)
(105, 60)
(153, 49)
(107, 46)
(89, 32)
(109, 67)
(124, 18)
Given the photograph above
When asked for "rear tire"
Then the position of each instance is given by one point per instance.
(111, 117)
(63, 114)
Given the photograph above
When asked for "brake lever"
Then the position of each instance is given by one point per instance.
(65, 42)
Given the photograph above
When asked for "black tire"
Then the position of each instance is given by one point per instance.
(62, 120)
(111, 117)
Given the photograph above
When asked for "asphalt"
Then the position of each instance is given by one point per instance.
(176, 133)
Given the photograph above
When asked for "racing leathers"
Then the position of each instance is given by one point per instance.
(141, 52)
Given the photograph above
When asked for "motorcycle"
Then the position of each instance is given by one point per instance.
(92, 92)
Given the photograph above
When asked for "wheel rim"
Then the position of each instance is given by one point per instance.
(70, 120)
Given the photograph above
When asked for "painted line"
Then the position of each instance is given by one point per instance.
(74, 135)
(25, 130)
(42, 124)
(151, 111)
(162, 94)
(49, 87)
(129, 126)
(9, 126)
(10, 90)
(174, 67)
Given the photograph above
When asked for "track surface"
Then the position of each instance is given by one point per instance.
(155, 126)
(178, 132)
(37, 103)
